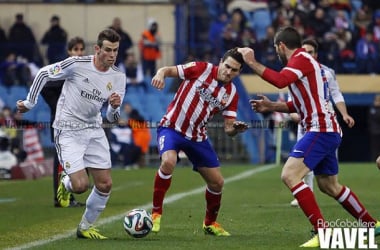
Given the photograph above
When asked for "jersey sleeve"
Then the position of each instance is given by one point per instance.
(57, 71)
(191, 70)
(297, 67)
(335, 92)
(112, 114)
(231, 110)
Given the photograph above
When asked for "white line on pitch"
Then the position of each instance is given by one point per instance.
(167, 200)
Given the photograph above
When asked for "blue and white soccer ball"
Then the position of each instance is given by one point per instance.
(138, 223)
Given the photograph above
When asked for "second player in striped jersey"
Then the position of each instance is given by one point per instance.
(206, 89)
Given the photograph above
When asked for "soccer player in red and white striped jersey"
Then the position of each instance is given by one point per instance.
(316, 150)
(206, 89)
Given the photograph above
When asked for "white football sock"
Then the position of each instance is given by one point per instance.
(67, 183)
(95, 204)
(309, 179)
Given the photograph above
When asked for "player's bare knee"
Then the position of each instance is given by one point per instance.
(104, 186)
(167, 165)
(286, 179)
(332, 190)
(80, 187)
(216, 186)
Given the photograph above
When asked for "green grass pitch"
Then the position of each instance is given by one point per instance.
(255, 210)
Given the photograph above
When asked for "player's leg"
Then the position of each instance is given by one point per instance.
(70, 150)
(98, 157)
(168, 140)
(205, 161)
(307, 155)
(347, 198)
(309, 180)
(213, 196)
(95, 203)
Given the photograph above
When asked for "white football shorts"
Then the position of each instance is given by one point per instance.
(80, 149)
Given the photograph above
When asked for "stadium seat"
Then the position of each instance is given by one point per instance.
(16, 93)
(3, 93)
(43, 116)
(261, 20)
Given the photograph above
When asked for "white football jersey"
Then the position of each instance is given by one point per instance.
(84, 92)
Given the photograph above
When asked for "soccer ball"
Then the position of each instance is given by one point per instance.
(138, 223)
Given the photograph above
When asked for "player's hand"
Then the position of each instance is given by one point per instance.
(349, 121)
(21, 107)
(158, 81)
(240, 126)
(115, 100)
(248, 54)
(260, 105)
(378, 162)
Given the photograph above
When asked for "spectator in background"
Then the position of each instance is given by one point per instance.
(14, 71)
(367, 54)
(133, 71)
(330, 51)
(215, 34)
(361, 21)
(7, 158)
(150, 48)
(374, 127)
(374, 26)
(123, 148)
(55, 39)
(234, 29)
(319, 24)
(125, 40)
(23, 42)
(140, 132)
(268, 51)
(3, 45)
(341, 20)
(51, 93)
(9, 122)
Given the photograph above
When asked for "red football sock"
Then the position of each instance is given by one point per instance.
(351, 203)
(213, 204)
(308, 204)
(162, 183)
(60, 168)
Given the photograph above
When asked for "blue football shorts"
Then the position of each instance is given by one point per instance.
(319, 152)
(200, 154)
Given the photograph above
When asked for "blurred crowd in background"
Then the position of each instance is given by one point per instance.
(348, 33)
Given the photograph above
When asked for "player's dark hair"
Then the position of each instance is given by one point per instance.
(74, 41)
(312, 42)
(107, 35)
(288, 36)
(235, 55)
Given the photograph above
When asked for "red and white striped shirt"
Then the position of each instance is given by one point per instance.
(309, 91)
(198, 99)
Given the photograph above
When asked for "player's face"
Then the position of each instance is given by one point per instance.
(310, 49)
(228, 69)
(106, 55)
(77, 50)
(280, 50)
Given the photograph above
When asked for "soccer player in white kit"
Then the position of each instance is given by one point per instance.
(311, 47)
(79, 138)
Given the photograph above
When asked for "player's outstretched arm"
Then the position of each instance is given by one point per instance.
(158, 80)
(233, 127)
(263, 105)
(113, 110)
(21, 107)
